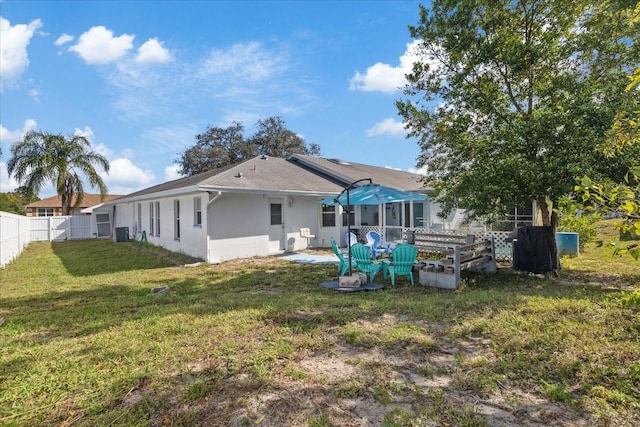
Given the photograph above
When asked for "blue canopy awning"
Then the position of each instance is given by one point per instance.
(373, 194)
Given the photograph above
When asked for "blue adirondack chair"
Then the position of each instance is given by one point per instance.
(403, 256)
(343, 260)
(378, 248)
(361, 255)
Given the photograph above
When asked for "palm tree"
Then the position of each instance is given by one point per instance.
(42, 157)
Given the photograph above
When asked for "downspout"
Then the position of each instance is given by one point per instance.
(216, 197)
(211, 201)
(113, 223)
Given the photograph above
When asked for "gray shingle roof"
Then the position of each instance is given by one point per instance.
(302, 174)
(87, 201)
(353, 171)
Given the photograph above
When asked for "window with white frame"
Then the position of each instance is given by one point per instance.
(152, 219)
(103, 224)
(139, 222)
(328, 216)
(176, 219)
(45, 211)
(197, 211)
(157, 218)
(276, 213)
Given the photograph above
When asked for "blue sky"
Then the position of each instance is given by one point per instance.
(140, 79)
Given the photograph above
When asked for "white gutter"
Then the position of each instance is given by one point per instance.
(269, 191)
(90, 209)
(156, 195)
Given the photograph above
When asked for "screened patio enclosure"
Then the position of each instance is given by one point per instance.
(391, 220)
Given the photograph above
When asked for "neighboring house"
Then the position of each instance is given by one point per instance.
(258, 207)
(52, 206)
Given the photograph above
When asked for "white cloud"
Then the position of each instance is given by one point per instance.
(128, 153)
(250, 61)
(171, 173)
(124, 174)
(419, 171)
(103, 150)
(384, 77)
(13, 136)
(35, 95)
(87, 132)
(7, 185)
(170, 139)
(63, 39)
(14, 59)
(152, 51)
(387, 126)
(99, 46)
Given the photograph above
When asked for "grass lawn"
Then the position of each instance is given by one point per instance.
(258, 342)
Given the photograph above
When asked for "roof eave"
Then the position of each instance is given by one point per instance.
(268, 191)
(156, 195)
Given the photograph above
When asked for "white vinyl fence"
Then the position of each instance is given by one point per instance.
(60, 227)
(15, 235)
(17, 231)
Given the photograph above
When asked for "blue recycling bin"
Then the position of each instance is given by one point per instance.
(568, 243)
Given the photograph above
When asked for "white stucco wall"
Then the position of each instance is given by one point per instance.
(234, 225)
(193, 239)
(239, 225)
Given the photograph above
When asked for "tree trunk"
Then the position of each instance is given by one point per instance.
(65, 204)
(544, 210)
(67, 198)
(549, 213)
(554, 214)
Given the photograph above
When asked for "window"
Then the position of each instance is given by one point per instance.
(139, 223)
(328, 216)
(276, 213)
(176, 219)
(157, 218)
(45, 211)
(103, 224)
(197, 211)
(152, 219)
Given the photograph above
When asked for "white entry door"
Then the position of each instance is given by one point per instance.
(277, 237)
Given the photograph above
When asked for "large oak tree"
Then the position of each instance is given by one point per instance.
(219, 147)
(510, 98)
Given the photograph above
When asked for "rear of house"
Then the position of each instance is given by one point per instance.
(258, 207)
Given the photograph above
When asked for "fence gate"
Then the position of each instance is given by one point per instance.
(60, 228)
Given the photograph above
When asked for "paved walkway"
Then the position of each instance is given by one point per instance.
(310, 258)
